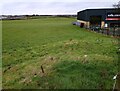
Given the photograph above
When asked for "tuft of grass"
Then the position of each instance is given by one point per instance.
(84, 75)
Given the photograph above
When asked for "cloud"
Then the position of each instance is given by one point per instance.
(50, 7)
(8, 1)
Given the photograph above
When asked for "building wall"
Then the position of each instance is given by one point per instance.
(102, 24)
(82, 15)
(87, 23)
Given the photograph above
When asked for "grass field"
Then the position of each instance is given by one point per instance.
(71, 57)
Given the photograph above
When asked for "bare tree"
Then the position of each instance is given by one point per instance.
(117, 5)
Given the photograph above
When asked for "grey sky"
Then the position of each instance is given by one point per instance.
(16, 7)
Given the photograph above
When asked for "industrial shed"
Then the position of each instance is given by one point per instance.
(99, 17)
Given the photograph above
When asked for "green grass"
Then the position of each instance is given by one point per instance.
(72, 57)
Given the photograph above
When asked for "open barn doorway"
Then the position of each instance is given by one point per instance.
(95, 22)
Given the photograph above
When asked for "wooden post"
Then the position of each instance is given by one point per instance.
(42, 69)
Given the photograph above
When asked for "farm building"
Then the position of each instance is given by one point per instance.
(99, 17)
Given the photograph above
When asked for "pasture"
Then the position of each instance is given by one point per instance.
(71, 57)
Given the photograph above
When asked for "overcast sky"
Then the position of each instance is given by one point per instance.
(43, 7)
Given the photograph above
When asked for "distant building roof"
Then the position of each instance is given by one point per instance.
(99, 9)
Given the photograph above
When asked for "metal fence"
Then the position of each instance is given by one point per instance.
(108, 31)
(114, 31)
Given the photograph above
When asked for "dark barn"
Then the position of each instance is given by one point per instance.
(99, 17)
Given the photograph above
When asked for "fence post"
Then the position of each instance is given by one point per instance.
(102, 30)
(108, 31)
(114, 31)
